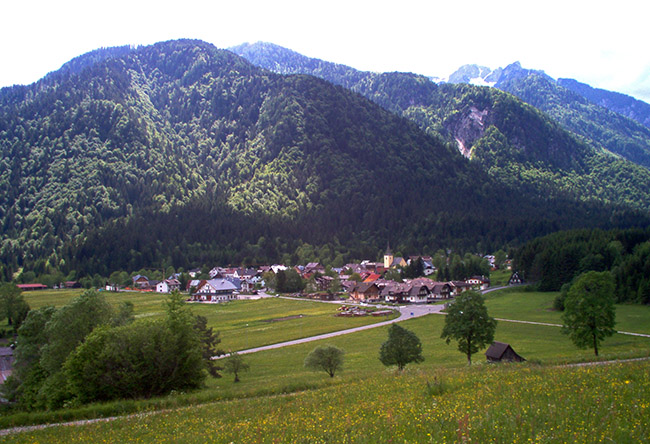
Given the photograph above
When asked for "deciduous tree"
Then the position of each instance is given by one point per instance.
(327, 358)
(234, 364)
(589, 313)
(467, 322)
(13, 305)
(401, 348)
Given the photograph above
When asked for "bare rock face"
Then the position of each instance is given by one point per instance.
(468, 128)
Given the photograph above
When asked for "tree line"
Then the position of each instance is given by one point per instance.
(557, 259)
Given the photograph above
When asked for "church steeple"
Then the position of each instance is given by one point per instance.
(388, 257)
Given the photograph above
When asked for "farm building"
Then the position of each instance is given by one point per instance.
(500, 351)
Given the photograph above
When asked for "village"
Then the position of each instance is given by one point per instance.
(364, 282)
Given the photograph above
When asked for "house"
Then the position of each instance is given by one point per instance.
(193, 284)
(235, 281)
(418, 294)
(141, 282)
(215, 290)
(479, 282)
(440, 290)
(500, 351)
(217, 272)
(71, 284)
(427, 264)
(323, 283)
(31, 287)
(365, 291)
(396, 292)
(168, 285)
(314, 267)
(429, 269)
(245, 273)
(348, 285)
(194, 272)
(457, 287)
(277, 267)
(515, 279)
(371, 277)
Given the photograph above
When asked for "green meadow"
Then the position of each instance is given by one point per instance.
(242, 324)
(280, 401)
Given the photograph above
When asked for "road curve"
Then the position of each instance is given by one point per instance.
(406, 312)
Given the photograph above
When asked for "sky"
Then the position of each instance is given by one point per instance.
(602, 43)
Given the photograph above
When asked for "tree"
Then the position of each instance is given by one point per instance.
(328, 358)
(500, 258)
(13, 306)
(142, 359)
(589, 313)
(401, 348)
(209, 342)
(415, 269)
(70, 325)
(124, 314)
(234, 364)
(467, 322)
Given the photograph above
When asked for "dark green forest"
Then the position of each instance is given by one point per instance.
(557, 259)
(180, 154)
(559, 150)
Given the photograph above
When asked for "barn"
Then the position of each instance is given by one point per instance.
(500, 351)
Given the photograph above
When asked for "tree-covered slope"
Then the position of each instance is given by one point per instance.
(595, 124)
(512, 141)
(623, 104)
(181, 153)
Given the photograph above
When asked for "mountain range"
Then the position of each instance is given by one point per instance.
(182, 154)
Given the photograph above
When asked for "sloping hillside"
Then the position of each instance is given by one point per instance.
(513, 142)
(179, 152)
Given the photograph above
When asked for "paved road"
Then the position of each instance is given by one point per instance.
(406, 312)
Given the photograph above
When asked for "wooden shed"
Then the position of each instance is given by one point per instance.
(500, 351)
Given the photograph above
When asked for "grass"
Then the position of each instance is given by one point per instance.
(278, 377)
(242, 324)
(517, 303)
(499, 278)
(510, 403)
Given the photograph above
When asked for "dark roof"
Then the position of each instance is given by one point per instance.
(497, 351)
(362, 287)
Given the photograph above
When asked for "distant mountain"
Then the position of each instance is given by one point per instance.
(475, 75)
(604, 119)
(180, 153)
(620, 103)
(513, 142)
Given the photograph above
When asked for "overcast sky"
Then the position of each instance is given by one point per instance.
(601, 43)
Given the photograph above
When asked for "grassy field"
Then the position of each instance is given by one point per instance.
(516, 303)
(242, 324)
(277, 377)
(499, 278)
(515, 403)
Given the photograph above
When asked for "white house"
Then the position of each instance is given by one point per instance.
(168, 285)
(215, 290)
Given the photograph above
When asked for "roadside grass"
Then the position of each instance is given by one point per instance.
(499, 278)
(517, 303)
(280, 371)
(495, 403)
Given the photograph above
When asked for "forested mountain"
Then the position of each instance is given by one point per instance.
(181, 154)
(604, 119)
(510, 140)
(620, 103)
